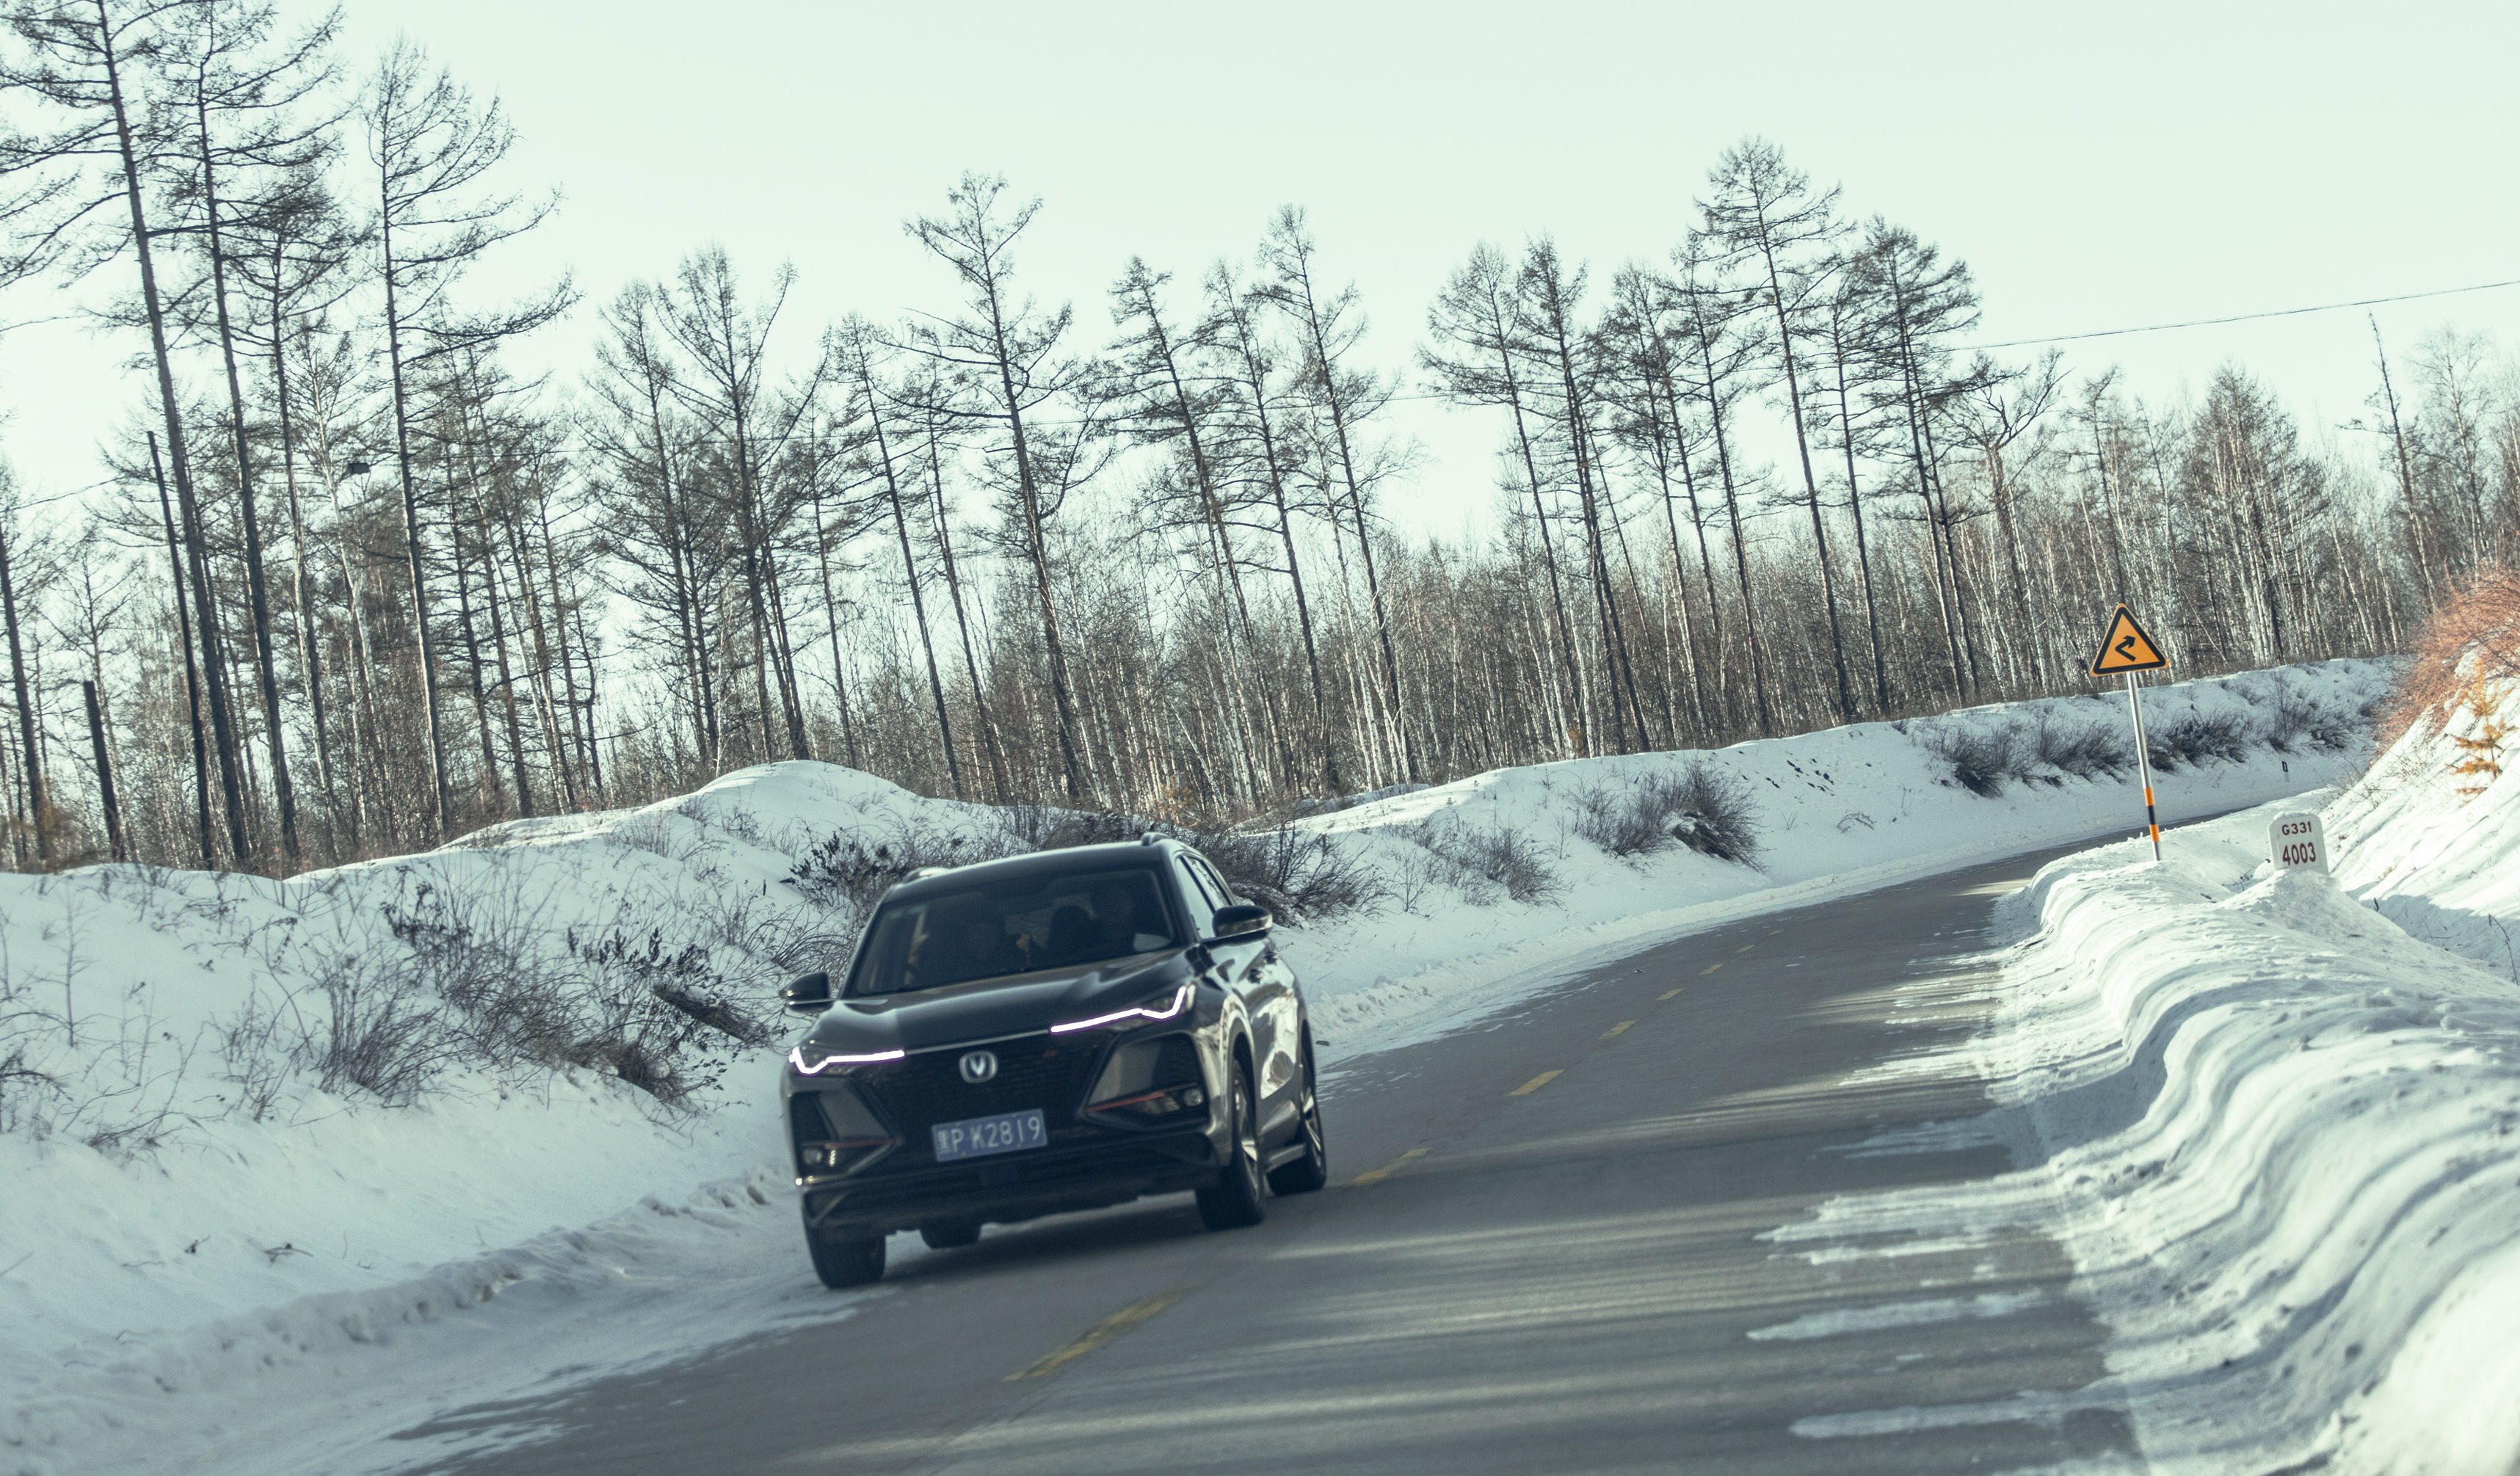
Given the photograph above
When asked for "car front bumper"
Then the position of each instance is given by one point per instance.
(1007, 1188)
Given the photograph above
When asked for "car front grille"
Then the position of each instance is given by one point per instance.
(1040, 1071)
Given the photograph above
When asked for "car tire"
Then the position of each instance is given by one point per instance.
(846, 1263)
(950, 1235)
(1240, 1195)
(1312, 1171)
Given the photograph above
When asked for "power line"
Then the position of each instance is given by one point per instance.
(2281, 312)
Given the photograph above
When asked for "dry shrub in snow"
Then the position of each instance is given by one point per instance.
(15, 1077)
(1295, 873)
(1713, 816)
(1981, 758)
(2086, 750)
(845, 873)
(1044, 829)
(2194, 738)
(2294, 726)
(1699, 807)
(1629, 822)
(1497, 856)
(381, 1033)
(254, 1046)
(477, 988)
(2475, 637)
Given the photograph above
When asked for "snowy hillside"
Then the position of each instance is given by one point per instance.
(2273, 1123)
(248, 1122)
(2429, 836)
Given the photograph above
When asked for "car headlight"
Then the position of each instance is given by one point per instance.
(811, 1059)
(1166, 1008)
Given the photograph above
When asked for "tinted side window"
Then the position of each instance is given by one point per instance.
(1216, 884)
(1202, 902)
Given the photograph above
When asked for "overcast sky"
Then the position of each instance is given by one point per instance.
(2101, 166)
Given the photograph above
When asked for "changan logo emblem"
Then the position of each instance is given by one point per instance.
(979, 1067)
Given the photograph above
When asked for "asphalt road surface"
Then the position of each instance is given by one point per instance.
(1539, 1253)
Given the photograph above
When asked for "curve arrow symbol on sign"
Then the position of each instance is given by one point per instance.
(2126, 646)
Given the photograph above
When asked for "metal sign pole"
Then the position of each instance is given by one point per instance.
(2143, 765)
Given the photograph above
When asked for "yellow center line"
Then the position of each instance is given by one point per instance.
(1535, 1084)
(1665, 995)
(1613, 1031)
(1745, 948)
(1708, 969)
(1376, 1176)
(1104, 1331)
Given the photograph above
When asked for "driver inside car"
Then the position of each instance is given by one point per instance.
(1115, 920)
(986, 948)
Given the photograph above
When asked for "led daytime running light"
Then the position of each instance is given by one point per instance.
(797, 1058)
(1180, 1003)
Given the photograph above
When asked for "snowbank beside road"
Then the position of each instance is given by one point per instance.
(2281, 1133)
(2432, 846)
(2274, 1130)
(203, 1148)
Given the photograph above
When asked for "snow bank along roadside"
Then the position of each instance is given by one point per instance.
(2273, 1130)
(252, 1109)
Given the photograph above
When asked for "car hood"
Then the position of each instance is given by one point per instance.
(988, 1008)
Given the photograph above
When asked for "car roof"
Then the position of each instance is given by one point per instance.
(1039, 865)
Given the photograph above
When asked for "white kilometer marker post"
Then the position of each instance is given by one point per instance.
(2297, 843)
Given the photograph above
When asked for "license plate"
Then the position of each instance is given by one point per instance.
(978, 1136)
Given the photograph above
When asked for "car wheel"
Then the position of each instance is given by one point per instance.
(846, 1263)
(950, 1235)
(1240, 1195)
(1312, 1171)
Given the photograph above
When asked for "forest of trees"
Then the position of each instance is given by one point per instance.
(356, 586)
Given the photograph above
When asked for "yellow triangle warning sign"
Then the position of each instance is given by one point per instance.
(2127, 647)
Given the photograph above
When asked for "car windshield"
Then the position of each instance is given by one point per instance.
(1011, 927)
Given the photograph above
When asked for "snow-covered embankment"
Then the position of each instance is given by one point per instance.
(2272, 1115)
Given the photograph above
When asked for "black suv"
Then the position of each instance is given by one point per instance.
(1046, 1033)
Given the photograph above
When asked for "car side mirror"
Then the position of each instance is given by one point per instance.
(1241, 920)
(810, 995)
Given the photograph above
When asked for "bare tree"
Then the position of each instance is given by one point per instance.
(752, 429)
(245, 106)
(1003, 359)
(666, 557)
(1329, 325)
(1711, 324)
(1763, 212)
(16, 542)
(854, 350)
(1478, 315)
(432, 150)
(1923, 301)
(1993, 414)
(1168, 402)
(294, 254)
(1258, 455)
(81, 66)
